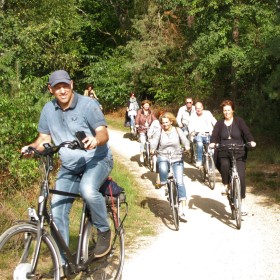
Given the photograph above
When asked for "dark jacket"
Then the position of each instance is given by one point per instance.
(245, 134)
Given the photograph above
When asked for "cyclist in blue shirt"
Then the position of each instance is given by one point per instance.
(68, 113)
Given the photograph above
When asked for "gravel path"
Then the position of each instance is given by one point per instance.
(208, 246)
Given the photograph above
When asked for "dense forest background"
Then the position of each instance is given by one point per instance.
(163, 50)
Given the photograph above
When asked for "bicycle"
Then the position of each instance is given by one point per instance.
(134, 133)
(148, 158)
(234, 193)
(192, 154)
(29, 251)
(172, 190)
(208, 165)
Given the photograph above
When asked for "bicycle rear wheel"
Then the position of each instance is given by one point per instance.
(191, 154)
(134, 134)
(111, 265)
(174, 203)
(147, 156)
(17, 246)
(237, 201)
(210, 172)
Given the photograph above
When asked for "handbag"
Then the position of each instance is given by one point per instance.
(110, 187)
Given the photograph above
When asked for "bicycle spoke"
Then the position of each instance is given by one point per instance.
(237, 202)
(111, 265)
(174, 203)
(211, 172)
(17, 247)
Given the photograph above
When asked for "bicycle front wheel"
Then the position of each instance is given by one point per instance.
(237, 201)
(174, 203)
(111, 265)
(147, 159)
(210, 172)
(17, 246)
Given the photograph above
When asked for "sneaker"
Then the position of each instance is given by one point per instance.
(158, 184)
(198, 164)
(103, 244)
(244, 208)
(141, 158)
(182, 210)
(224, 190)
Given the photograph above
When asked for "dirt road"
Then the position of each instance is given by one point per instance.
(208, 246)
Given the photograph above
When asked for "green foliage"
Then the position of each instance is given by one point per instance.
(111, 79)
(19, 117)
(162, 50)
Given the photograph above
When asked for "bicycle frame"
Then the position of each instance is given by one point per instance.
(208, 164)
(147, 153)
(234, 195)
(75, 262)
(233, 174)
(173, 192)
(43, 214)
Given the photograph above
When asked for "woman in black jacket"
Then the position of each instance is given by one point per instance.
(231, 130)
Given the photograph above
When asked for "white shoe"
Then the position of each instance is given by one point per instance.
(244, 208)
(224, 190)
(198, 164)
(182, 211)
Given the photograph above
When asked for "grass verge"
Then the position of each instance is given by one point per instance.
(139, 222)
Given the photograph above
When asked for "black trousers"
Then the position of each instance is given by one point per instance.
(224, 167)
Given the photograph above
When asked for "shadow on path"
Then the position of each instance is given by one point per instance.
(213, 208)
(161, 209)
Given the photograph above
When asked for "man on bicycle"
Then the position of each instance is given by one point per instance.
(184, 114)
(201, 123)
(81, 171)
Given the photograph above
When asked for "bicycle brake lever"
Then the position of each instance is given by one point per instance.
(74, 145)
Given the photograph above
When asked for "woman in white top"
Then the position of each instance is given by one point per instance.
(169, 140)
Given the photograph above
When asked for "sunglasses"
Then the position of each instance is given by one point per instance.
(188, 102)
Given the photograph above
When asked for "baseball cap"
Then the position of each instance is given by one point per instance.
(59, 76)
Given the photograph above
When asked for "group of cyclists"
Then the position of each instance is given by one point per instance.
(194, 126)
(83, 171)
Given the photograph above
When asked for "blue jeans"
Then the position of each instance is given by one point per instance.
(94, 174)
(199, 140)
(132, 121)
(178, 172)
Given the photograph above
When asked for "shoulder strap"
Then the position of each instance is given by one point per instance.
(159, 138)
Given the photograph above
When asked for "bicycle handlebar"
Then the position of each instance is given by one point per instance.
(232, 147)
(142, 127)
(51, 150)
(178, 152)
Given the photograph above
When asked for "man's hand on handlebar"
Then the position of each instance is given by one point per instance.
(212, 145)
(27, 152)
